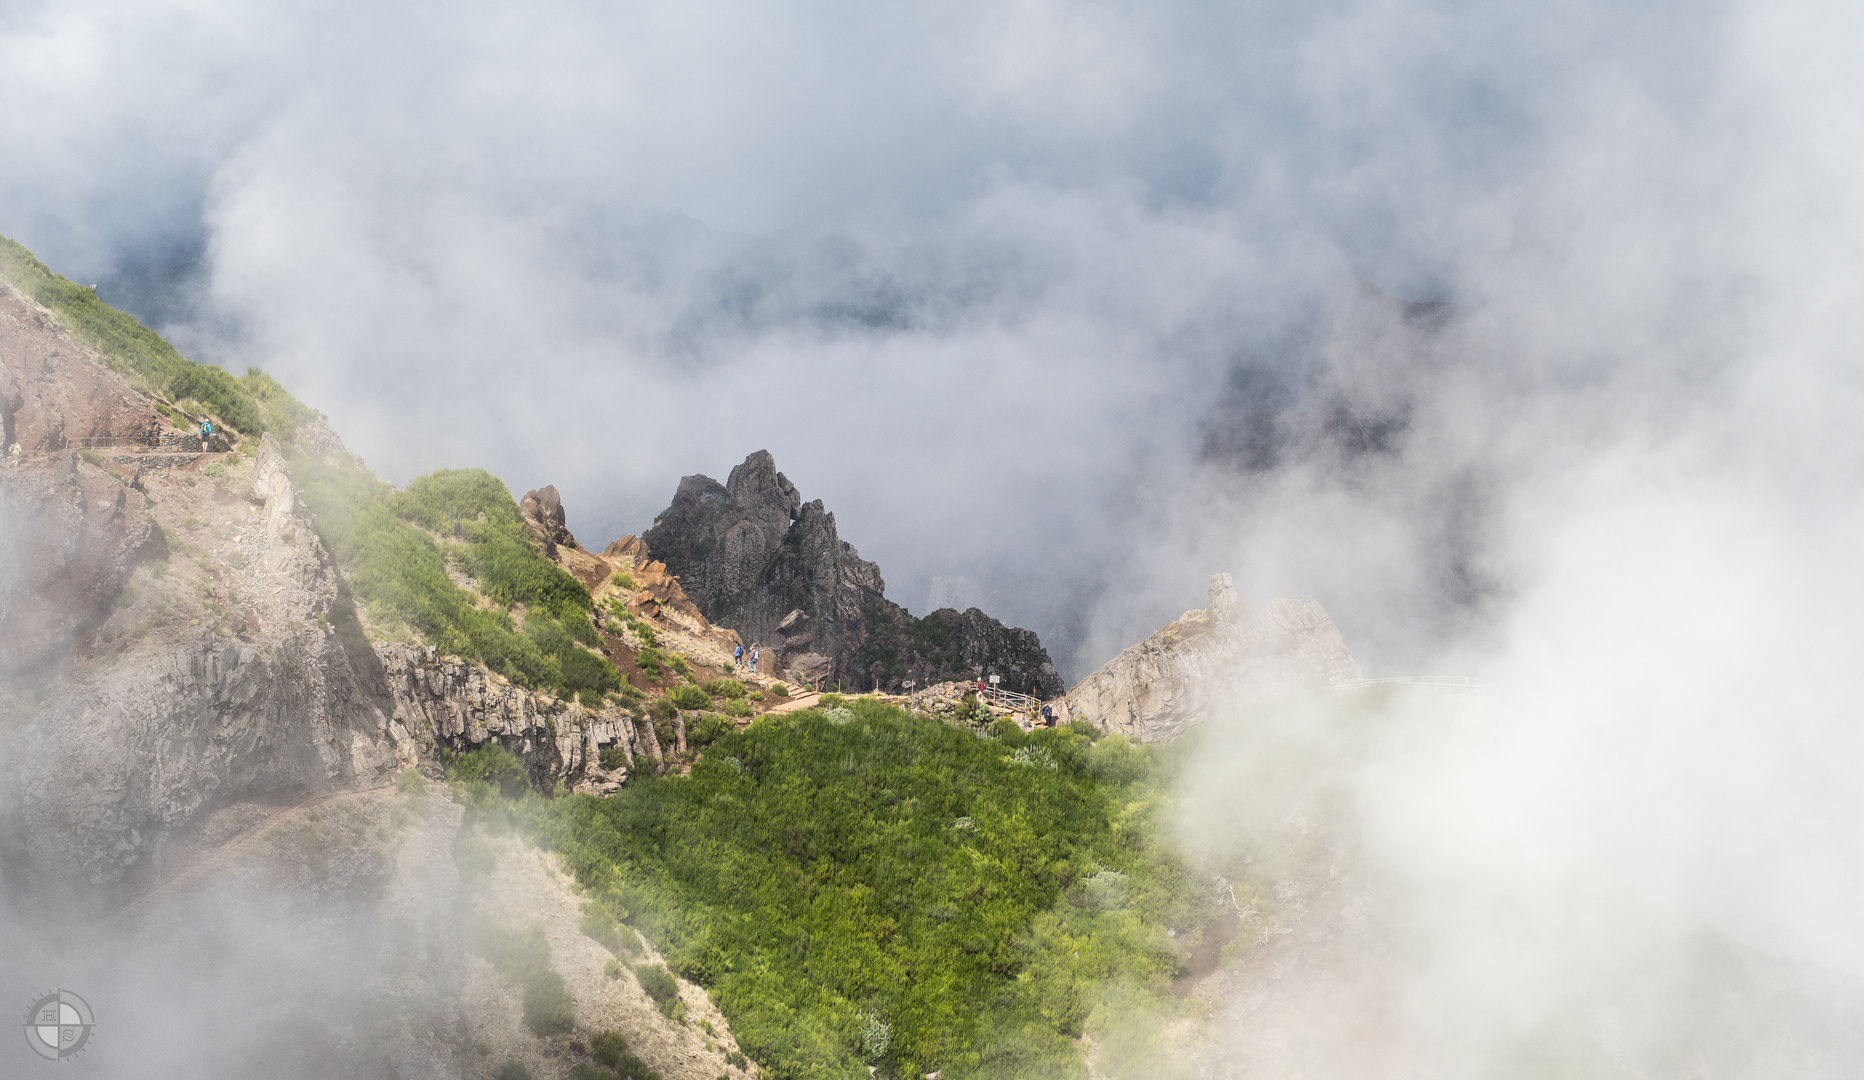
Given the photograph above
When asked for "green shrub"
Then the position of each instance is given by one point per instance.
(548, 1009)
(648, 659)
(492, 764)
(599, 922)
(611, 1049)
(725, 688)
(779, 689)
(410, 782)
(474, 857)
(660, 985)
(737, 708)
(624, 581)
(689, 697)
(706, 729)
(663, 710)
(612, 757)
(678, 664)
(523, 956)
(809, 875)
(831, 701)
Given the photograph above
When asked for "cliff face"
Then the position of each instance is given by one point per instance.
(175, 638)
(172, 633)
(1212, 662)
(757, 559)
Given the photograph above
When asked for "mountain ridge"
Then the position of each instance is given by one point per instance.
(758, 559)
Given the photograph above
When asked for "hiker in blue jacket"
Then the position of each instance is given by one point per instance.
(207, 434)
(737, 656)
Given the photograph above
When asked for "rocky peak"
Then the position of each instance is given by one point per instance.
(758, 559)
(1221, 605)
(543, 512)
(760, 491)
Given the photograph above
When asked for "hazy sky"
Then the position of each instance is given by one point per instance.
(977, 274)
(987, 278)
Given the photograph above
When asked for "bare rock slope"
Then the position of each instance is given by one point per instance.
(1209, 662)
(527, 888)
(172, 635)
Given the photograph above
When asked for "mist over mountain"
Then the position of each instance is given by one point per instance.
(1519, 342)
(975, 236)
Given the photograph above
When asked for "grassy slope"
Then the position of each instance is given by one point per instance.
(399, 572)
(380, 534)
(250, 405)
(974, 904)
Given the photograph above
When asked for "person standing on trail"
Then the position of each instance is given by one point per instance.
(207, 434)
(737, 656)
(1048, 716)
(753, 657)
(980, 686)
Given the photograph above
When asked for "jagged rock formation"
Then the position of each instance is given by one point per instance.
(757, 559)
(657, 589)
(543, 512)
(1211, 663)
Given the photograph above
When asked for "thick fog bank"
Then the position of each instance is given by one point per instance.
(979, 277)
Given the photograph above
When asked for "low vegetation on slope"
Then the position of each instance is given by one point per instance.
(399, 572)
(385, 537)
(251, 404)
(862, 887)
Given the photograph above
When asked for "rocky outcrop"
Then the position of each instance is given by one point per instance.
(757, 559)
(1212, 663)
(656, 588)
(968, 643)
(543, 512)
(72, 534)
(238, 672)
(171, 639)
(443, 701)
(54, 393)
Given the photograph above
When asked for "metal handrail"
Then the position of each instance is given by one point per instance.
(1010, 698)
